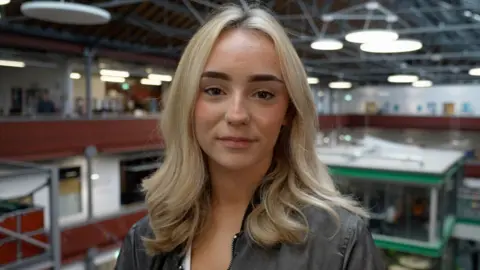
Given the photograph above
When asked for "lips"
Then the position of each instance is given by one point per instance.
(236, 142)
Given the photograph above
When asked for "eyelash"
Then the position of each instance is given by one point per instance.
(270, 95)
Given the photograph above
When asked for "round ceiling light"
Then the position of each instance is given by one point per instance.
(422, 83)
(326, 44)
(340, 85)
(474, 72)
(4, 2)
(396, 46)
(402, 78)
(65, 12)
(371, 35)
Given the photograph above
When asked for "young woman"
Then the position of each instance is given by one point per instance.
(241, 186)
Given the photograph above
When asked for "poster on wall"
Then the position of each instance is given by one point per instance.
(467, 108)
(448, 108)
(432, 108)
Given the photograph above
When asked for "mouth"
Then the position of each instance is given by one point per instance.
(236, 142)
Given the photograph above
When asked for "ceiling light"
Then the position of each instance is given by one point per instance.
(114, 73)
(65, 12)
(422, 83)
(4, 2)
(396, 46)
(160, 77)
(112, 79)
(312, 80)
(146, 81)
(402, 78)
(326, 44)
(372, 35)
(75, 76)
(9, 63)
(340, 85)
(474, 72)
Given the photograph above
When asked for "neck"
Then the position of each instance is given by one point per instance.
(235, 188)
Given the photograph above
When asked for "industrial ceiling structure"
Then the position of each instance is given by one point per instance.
(448, 32)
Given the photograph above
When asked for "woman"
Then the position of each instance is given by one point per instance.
(241, 186)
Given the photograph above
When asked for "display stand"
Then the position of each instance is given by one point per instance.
(25, 243)
(410, 192)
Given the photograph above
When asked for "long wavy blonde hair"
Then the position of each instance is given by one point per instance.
(178, 194)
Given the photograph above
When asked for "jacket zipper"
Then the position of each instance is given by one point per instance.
(233, 251)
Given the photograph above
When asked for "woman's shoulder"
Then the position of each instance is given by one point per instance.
(141, 228)
(348, 232)
(133, 254)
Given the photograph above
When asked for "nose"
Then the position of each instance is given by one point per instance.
(237, 112)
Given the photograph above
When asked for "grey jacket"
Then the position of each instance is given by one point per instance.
(346, 246)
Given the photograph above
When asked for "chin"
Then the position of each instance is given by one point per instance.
(234, 163)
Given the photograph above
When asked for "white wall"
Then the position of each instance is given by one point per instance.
(106, 189)
(98, 87)
(409, 98)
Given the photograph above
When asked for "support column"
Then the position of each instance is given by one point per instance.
(432, 224)
(90, 152)
(68, 90)
(55, 241)
(88, 54)
(90, 259)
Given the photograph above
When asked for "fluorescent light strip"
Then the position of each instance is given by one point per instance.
(160, 77)
(402, 78)
(114, 73)
(340, 85)
(474, 72)
(75, 76)
(422, 83)
(112, 79)
(9, 63)
(312, 80)
(4, 2)
(146, 81)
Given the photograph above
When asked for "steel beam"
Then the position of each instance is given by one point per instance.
(194, 11)
(172, 7)
(409, 31)
(116, 3)
(160, 28)
(395, 58)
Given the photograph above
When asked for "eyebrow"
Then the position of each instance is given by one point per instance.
(252, 78)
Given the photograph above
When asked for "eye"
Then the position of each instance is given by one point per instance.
(264, 95)
(213, 91)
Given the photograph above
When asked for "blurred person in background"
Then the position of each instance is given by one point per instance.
(241, 186)
(45, 104)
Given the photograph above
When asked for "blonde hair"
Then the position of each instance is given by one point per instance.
(177, 195)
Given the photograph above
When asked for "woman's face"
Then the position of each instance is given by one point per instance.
(242, 101)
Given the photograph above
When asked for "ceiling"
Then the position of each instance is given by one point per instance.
(448, 29)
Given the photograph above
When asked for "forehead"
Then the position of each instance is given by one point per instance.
(244, 50)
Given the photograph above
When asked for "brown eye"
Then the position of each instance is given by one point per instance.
(264, 95)
(213, 91)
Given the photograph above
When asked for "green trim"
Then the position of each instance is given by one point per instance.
(424, 249)
(468, 221)
(434, 250)
(394, 176)
(384, 175)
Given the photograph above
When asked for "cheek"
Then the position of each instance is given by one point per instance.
(203, 117)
